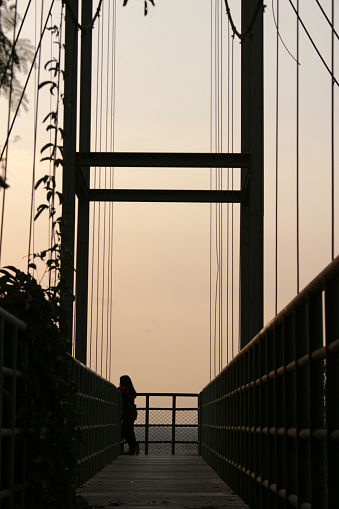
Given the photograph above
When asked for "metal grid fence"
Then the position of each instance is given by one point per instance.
(270, 420)
(13, 354)
(100, 419)
(171, 429)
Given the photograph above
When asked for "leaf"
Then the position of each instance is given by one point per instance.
(45, 147)
(59, 161)
(63, 133)
(40, 209)
(49, 62)
(125, 3)
(3, 183)
(48, 82)
(60, 196)
(32, 266)
(51, 114)
(42, 179)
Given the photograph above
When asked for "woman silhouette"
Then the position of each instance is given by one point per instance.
(129, 413)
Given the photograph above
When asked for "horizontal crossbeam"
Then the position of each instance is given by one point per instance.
(162, 160)
(164, 195)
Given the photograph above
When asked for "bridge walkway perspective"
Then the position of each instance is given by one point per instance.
(159, 481)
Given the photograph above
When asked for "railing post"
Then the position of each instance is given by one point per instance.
(199, 422)
(147, 425)
(173, 423)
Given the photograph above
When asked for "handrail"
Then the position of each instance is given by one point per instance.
(100, 419)
(270, 420)
(316, 285)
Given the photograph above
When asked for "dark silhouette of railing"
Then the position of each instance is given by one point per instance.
(270, 420)
(169, 429)
(100, 410)
(99, 413)
(268, 424)
(13, 483)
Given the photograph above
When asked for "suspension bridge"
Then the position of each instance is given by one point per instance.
(168, 208)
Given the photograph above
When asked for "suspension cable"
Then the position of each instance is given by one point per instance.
(281, 39)
(251, 23)
(26, 83)
(331, 23)
(90, 25)
(313, 44)
(8, 129)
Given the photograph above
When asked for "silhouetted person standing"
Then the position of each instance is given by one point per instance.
(129, 413)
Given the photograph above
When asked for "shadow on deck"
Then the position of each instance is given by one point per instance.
(159, 481)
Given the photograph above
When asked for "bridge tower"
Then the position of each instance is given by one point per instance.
(76, 175)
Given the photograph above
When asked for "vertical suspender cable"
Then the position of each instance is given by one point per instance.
(332, 134)
(211, 182)
(102, 205)
(232, 205)
(297, 154)
(276, 162)
(106, 275)
(36, 103)
(216, 119)
(221, 186)
(92, 325)
(228, 186)
(215, 107)
(98, 120)
(111, 245)
(100, 184)
(106, 170)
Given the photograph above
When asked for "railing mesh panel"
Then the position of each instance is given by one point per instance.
(167, 429)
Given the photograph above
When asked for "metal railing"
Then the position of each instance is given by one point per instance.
(270, 420)
(167, 428)
(100, 419)
(13, 354)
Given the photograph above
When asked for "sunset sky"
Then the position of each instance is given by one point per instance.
(161, 252)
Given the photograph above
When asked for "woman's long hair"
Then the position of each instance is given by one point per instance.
(125, 381)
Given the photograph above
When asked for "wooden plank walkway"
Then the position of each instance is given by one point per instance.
(159, 481)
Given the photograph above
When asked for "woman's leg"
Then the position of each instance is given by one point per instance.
(127, 431)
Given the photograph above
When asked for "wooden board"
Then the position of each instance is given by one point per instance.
(159, 481)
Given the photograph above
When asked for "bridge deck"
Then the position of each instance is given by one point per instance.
(159, 481)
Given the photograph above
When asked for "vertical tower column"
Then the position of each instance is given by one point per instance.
(68, 180)
(83, 200)
(252, 206)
